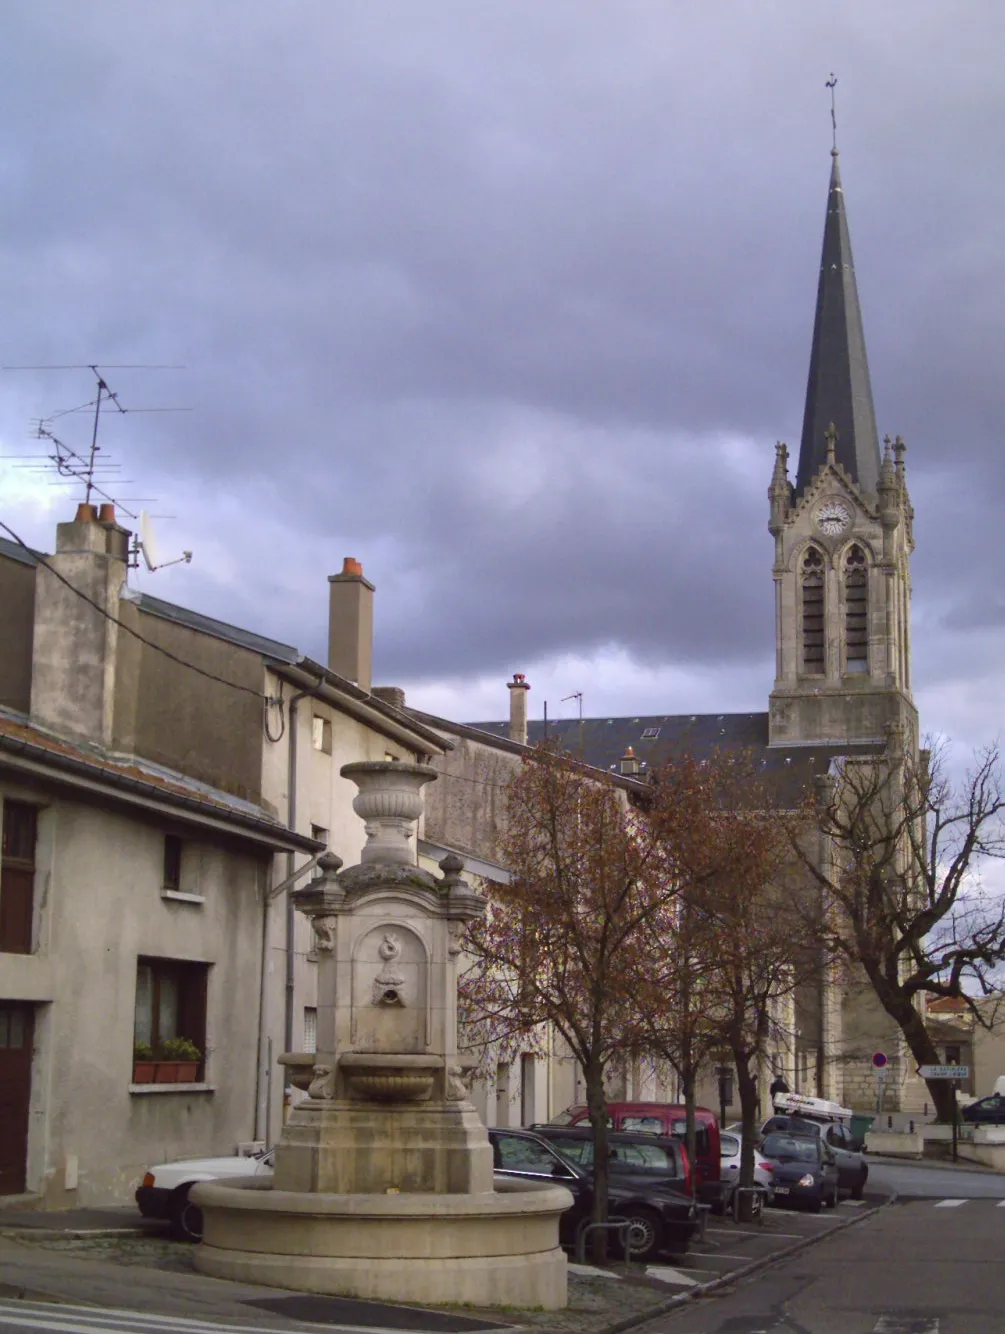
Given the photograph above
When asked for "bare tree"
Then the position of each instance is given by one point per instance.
(902, 894)
(562, 942)
(737, 950)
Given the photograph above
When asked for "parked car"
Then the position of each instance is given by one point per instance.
(853, 1171)
(731, 1145)
(657, 1156)
(989, 1111)
(165, 1188)
(803, 1170)
(666, 1219)
(664, 1118)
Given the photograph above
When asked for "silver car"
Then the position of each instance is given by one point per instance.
(730, 1156)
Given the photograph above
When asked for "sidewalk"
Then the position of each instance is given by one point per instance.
(111, 1258)
(119, 1220)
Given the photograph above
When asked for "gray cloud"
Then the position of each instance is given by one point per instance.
(492, 295)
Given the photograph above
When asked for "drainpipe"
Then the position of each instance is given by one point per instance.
(291, 824)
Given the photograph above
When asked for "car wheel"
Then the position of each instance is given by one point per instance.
(858, 1190)
(816, 1205)
(186, 1217)
(646, 1238)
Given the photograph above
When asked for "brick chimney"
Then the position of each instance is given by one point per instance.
(629, 763)
(518, 688)
(74, 644)
(350, 624)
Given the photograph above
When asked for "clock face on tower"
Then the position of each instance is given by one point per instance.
(832, 517)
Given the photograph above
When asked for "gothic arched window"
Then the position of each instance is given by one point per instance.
(813, 612)
(856, 613)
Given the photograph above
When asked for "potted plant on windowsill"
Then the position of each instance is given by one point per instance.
(177, 1062)
(143, 1063)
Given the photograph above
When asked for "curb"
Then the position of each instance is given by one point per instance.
(703, 1289)
(74, 1234)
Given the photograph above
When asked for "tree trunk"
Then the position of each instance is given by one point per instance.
(688, 1081)
(596, 1103)
(746, 1085)
(920, 1044)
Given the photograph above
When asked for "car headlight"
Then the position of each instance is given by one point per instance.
(806, 1180)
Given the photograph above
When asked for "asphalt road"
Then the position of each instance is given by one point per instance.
(931, 1264)
(926, 1181)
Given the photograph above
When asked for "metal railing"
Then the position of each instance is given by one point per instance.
(624, 1226)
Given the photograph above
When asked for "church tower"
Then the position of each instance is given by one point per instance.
(843, 538)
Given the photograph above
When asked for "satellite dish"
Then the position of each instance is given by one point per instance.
(148, 541)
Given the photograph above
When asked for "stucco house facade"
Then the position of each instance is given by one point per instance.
(226, 732)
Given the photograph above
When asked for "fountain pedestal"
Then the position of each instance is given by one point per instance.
(383, 1183)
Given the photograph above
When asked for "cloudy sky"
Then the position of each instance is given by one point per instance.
(510, 299)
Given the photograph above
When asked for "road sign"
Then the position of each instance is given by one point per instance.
(879, 1060)
(944, 1071)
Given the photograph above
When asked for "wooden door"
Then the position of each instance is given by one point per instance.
(17, 1029)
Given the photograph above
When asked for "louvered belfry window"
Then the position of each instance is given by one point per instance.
(813, 612)
(856, 616)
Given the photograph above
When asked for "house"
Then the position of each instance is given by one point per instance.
(228, 745)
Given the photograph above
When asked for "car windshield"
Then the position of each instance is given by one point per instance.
(655, 1158)
(648, 1125)
(789, 1148)
(795, 1125)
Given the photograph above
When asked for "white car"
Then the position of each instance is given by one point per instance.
(164, 1192)
(730, 1156)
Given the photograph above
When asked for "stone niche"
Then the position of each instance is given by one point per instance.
(390, 969)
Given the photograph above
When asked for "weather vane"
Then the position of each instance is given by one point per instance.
(832, 84)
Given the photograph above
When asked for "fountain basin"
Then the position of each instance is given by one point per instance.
(496, 1248)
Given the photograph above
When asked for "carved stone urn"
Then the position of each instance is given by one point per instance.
(389, 803)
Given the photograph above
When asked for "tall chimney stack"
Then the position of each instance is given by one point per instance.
(75, 638)
(518, 688)
(350, 624)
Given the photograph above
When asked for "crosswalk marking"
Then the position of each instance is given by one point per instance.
(949, 1204)
(68, 1319)
(898, 1324)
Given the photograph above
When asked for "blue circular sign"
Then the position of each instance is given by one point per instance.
(879, 1059)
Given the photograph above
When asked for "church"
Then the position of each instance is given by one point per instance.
(842, 528)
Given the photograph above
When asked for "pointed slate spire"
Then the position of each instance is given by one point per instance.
(838, 390)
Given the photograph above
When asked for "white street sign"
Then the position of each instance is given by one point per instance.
(944, 1071)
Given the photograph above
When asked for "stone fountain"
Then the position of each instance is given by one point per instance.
(383, 1184)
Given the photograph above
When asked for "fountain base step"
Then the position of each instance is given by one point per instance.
(497, 1248)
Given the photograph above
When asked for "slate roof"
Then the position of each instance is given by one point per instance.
(838, 388)
(65, 759)
(657, 739)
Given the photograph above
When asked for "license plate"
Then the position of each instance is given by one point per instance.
(781, 1190)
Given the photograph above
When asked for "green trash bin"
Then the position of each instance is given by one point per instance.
(861, 1123)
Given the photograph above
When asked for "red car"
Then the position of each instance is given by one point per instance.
(664, 1118)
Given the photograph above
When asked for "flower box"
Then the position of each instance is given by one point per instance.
(165, 1072)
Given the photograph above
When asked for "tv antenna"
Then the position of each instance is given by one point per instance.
(577, 695)
(90, 470)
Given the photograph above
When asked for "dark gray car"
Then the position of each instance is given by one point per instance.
(853, 1171)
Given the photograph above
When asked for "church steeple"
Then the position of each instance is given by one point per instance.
(843, 539)
(838, 389)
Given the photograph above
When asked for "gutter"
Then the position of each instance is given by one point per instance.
(345, 695)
